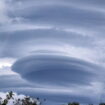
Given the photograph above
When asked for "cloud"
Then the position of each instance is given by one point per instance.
(61, 13)
(52, 23)
(55, 70)
(12, 81)
(22, 27)
(60, 95)
(3, 12)
(50, 13)
(46, 40)
(63, 25)
(51, 39)
(51, 76)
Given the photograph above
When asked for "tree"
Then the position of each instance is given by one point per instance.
(14, 99)
(102, 104)
(73, 103)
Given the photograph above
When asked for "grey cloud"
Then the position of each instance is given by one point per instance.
(59, 99)
(73, 23)
(59, 17)
(8, 81)
(17, 84)
(63, 15)
(16, 41)
(55, 70)
(55, 98)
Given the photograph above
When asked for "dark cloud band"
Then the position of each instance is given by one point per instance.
(55, 70)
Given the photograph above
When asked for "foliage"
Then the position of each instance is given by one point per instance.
(73, 103)
(13, 99)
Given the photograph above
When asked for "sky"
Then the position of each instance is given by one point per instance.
(53, 49)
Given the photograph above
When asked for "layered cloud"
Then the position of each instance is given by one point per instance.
(61, 75)
(55, 70)
(63, 25)
(53, 76)
(44, 40)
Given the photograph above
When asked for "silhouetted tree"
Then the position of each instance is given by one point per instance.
(102, 104)
(73, 103)
(25, 101)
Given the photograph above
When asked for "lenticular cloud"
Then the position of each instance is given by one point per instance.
(55, 70)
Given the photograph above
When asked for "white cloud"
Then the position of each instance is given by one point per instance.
(23, 26)
(6, 62)
(5, 66)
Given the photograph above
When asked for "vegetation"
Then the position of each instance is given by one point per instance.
(102, 104)
(73, 103)
(12, 99)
